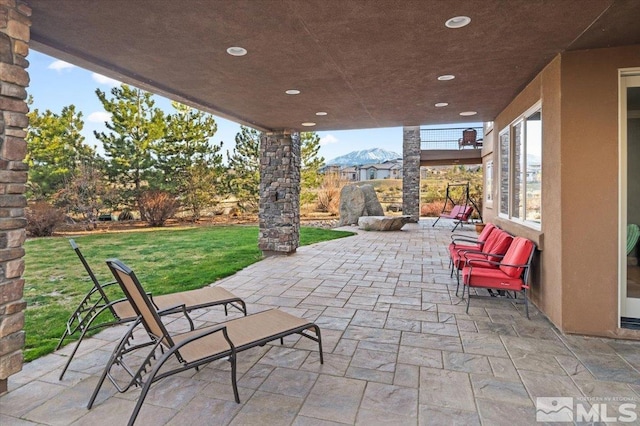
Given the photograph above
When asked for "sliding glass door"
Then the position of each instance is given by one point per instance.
(629, 200)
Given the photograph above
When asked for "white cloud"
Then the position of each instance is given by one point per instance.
(104, 80)
(99, 117)
(329, 139)
(60, 65)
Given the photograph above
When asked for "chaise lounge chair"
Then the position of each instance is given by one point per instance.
(87, 316)
(194, 348)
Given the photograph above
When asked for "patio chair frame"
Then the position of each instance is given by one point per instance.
(96, 302)
(171, 345)
(524, 278)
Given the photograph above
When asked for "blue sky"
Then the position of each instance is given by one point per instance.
(55, 84)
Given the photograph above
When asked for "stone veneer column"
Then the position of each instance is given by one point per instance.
(411, 172)
(279, 192)
(15, 23)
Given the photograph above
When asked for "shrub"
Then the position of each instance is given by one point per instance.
(329, 193)
(158, 206)
(432, 209)
(42, 219)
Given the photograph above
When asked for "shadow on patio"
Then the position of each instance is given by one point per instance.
(399, 349)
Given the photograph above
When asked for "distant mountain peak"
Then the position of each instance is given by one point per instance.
(365, 156)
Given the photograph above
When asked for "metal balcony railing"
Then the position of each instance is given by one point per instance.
(445, 138)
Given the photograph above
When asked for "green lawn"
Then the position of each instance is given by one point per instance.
(165, 260)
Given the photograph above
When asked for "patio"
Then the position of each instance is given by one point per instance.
(399, 349)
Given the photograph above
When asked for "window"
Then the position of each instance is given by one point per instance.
(488, 182)
(521, 169)
(505, 174)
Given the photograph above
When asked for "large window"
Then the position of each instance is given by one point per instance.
(521, 169)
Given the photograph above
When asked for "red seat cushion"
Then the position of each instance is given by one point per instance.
(490, 278)
(518, 254)
(455, 211)
(454, 249)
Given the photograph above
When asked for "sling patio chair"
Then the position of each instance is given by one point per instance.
(193, 348)
(97, 311)
(510, 274)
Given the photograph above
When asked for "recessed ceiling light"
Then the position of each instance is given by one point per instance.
(321, 113)
(441, 104)
(457, 22)
(292, 92)
(446, 77)
(468, 113)
(308, 124)
(237, 51)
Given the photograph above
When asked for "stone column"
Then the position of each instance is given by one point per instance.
(411, 172)
(15, 23)
(279, 192)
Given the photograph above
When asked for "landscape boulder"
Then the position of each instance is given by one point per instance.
(372, 206)
(383, 223)
(357, 201)
(351, 205)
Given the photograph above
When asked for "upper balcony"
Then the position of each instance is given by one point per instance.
(441, 147)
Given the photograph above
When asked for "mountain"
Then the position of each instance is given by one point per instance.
(366, 156)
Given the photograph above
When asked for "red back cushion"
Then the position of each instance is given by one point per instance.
(518, 254)
(466, 212)
(498, 243)
(485, 232)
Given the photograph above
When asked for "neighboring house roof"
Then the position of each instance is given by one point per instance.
(387, 165)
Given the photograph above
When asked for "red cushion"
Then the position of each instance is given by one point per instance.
(455, 249)
(490, 278)
(464, 256)
(454, 213)
(518, 254)
(488, 228)
(458, 257)
(465, 214)
(498, 243)
(482, 238)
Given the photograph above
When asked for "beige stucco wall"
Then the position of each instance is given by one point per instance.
(576, 279)
(590, 178)
(546, 291)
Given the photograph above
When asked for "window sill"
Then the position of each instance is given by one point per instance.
(522, 230)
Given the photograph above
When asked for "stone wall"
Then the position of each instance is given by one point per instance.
(15, 23)
(279, 192)
(411, 172)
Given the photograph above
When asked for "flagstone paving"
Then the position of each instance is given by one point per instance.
(399, 350)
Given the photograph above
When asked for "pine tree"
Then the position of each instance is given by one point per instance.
(55, 149)
(244, 169)
(135, 126)
(190, 164)
(311, 162)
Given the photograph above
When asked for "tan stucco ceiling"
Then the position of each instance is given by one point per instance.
(366, 63)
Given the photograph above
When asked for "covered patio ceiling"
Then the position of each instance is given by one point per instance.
(367, 64)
